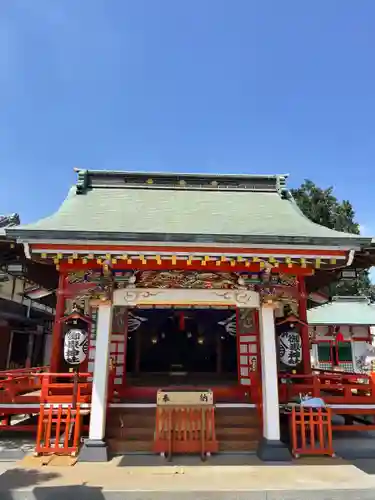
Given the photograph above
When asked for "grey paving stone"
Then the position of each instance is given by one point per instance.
(322, 495)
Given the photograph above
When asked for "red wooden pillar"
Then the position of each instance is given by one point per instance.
(302, 313)
(57, 327)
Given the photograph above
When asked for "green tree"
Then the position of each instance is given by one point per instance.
(322, 207)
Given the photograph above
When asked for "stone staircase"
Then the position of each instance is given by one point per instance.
(237, 429)
(132, 429)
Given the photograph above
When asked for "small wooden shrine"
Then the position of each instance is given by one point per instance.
(191, 282)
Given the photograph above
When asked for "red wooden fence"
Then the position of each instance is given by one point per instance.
(311, 431)
(185, 429)
(59, 430)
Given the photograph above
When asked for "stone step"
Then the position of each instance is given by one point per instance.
(120, 446)
(237, 433)
(238, 445)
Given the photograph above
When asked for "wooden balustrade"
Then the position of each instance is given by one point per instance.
(185, 429)
(333, 387)
(311, 431)
(59, 430)
(64, 387)
(15, 383)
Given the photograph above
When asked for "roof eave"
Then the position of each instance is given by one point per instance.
(26, 235)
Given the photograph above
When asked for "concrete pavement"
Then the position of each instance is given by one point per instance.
(307, 480)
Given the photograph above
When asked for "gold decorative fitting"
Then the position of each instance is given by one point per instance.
(84, 261)
(206, 258)
(218, 263)
(57, 267)
(70, 260)
(239, 258)
(107, 255)
(317, 263)
(276, 263)
(59, 256)
(114, 261)
(203, 262)
(129, 261)
(124, 257)
(333, 261)
(247, 263)
(12, 245)
(158, 260)
(182, 182)
(223, 258)
(256, 259)
(262, 264)
(232, 262)
(55, 260)
(271, 260)
(214, 183)
(90, 256)
(303, 262)
(174, 260)
(75, 256)
(99, 261)
(43, 255)
(149, 181)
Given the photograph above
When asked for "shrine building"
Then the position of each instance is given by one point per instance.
(342, 334)
(188, 282)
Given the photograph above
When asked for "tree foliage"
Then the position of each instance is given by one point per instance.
(322, 207)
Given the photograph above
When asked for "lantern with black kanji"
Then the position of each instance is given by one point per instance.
(76, 337)
(290, 342)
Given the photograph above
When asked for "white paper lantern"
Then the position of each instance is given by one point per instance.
(290, 348)
(75, 346)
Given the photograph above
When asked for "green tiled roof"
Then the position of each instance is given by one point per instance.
(343, 311)
(182, 207)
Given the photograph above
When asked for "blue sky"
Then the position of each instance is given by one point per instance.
(245, 86)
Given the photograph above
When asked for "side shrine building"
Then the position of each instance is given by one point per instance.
(187, 282)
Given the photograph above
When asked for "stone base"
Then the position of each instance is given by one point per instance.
(273, 451)
(93, 450)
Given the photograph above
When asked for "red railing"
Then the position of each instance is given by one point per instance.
(185, 429)
(333, 387)
(14, 383)
(64, 387)
(311, 431)
(59, 430)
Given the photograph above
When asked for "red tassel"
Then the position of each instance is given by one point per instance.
(339, 337)
(182, 322)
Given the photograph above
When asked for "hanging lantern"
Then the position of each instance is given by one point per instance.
(75, 346)
(290, 348)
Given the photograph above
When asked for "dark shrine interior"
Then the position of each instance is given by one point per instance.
(175, 341)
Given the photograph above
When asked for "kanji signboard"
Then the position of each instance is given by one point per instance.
(176, 398)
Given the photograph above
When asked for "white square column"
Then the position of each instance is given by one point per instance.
(95, 449)
(270, 447)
